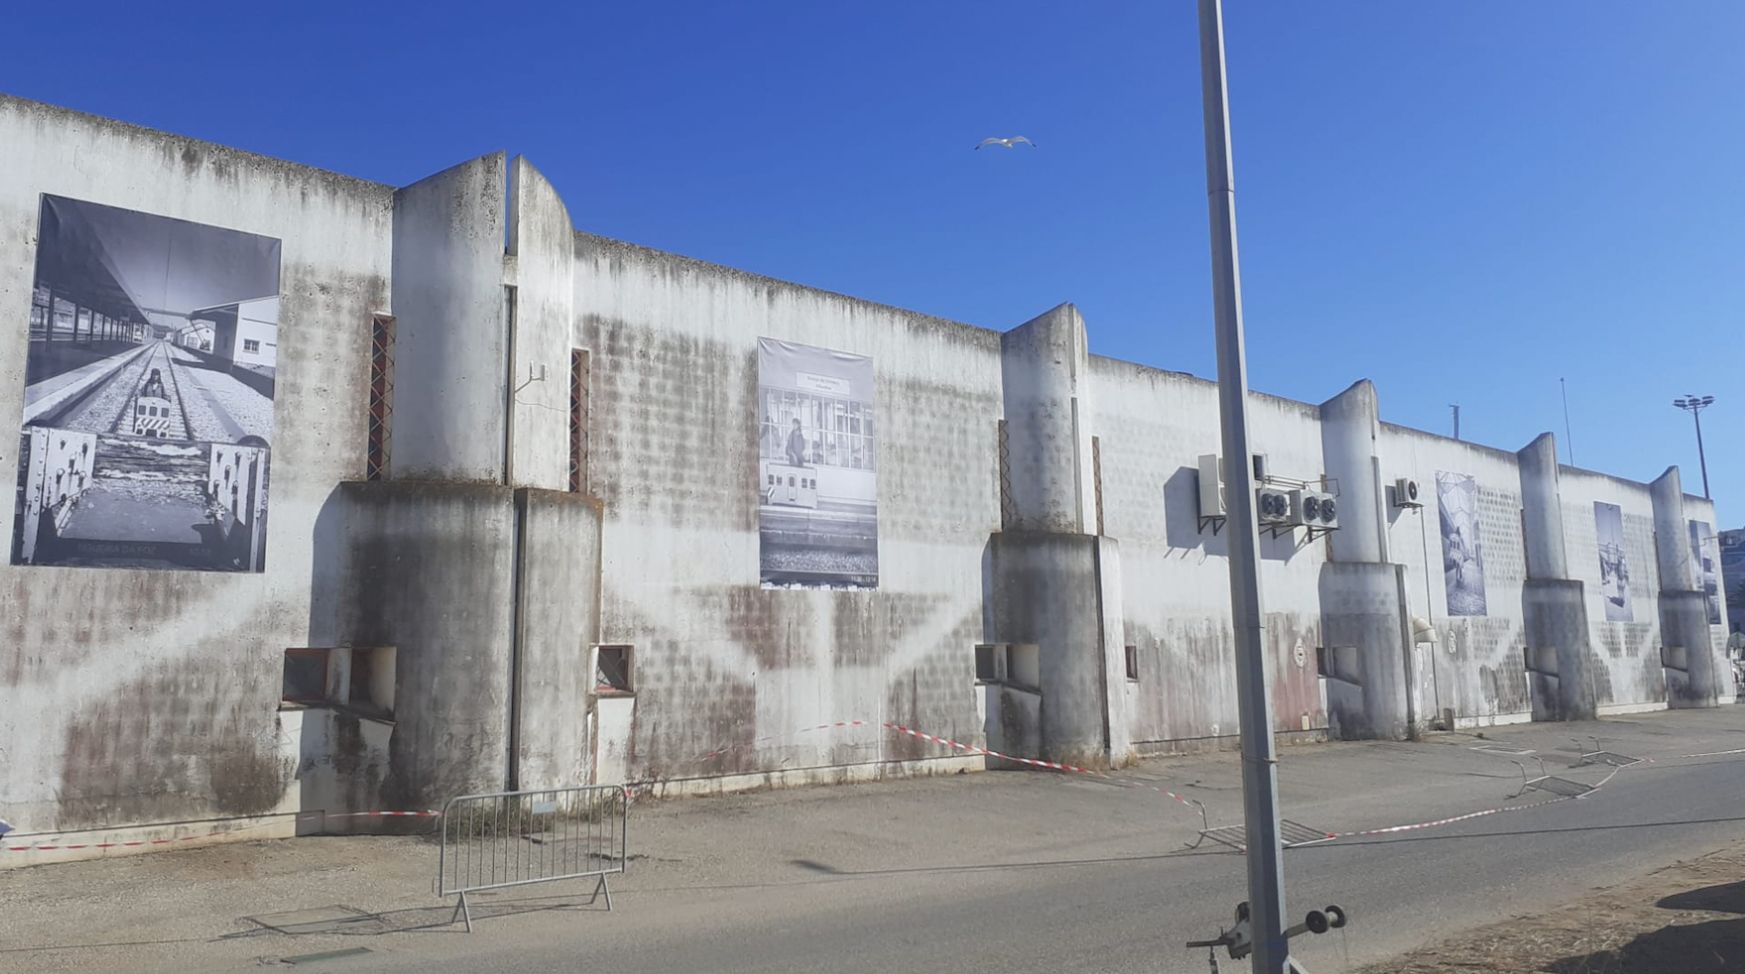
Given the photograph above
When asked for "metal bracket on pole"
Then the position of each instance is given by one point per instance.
(1239, 943)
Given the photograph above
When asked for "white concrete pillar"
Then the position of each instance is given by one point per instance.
(542, 327)
(1350, 428)
(451, 338)
(1542, 509)
(1045, 367)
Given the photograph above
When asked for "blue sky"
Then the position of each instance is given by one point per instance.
(1463, 201)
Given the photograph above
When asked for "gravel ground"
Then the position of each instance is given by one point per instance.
(212, 391)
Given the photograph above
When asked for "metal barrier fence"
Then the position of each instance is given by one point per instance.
(516, 838)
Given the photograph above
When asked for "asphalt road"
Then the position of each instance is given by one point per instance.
(1023, 872)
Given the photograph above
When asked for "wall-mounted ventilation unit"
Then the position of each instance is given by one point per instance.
(1314, 509)
(1406, 493)
(1272, 506)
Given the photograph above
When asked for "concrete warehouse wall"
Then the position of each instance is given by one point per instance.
(141, 696)
(578, 458)
(673, 457)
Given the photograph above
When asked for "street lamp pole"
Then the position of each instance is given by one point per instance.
(1695, 406)
(1254, 706)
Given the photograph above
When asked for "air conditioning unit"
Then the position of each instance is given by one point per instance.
(1406, 493)
(1314, 509)
(1211, 486)
(1272, 506)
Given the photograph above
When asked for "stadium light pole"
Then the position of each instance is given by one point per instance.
(1259, 763)
(1695, 406)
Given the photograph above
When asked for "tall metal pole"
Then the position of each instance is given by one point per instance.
(1568, 434)
(1254, 703)
(1697, 414)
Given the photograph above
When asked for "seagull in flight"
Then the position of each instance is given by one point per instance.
(1008, 142)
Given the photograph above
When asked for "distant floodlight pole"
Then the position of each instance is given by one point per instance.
(1695, 406)
(1568, 433)
(1259, 765)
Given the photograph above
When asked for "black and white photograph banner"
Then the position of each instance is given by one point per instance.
(818, 515)
(1614, 567)
(148, 399)
(1703, 557)
(1462, 550)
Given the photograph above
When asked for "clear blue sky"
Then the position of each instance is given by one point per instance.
(1463, 201)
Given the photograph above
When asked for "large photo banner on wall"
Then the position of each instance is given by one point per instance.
(818, 516)
(148, 399)
(1462, 551)
(1614, 567)
(1703, 557)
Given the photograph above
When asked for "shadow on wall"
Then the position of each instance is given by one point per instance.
(326, 563)
(1181, 508)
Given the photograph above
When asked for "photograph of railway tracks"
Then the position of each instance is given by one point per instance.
(818, 517)
(148, 404)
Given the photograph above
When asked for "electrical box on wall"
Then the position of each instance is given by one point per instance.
(1406, 493)
(1211, 486)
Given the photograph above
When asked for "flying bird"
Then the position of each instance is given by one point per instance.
(1008, 143)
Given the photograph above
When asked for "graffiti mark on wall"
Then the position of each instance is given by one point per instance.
(1462, 549)
(148, 400)
(817, 468)
(1614, 567)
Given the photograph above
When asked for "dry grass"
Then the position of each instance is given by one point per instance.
(1687, 917)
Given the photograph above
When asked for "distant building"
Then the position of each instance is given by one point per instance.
(1733, 575)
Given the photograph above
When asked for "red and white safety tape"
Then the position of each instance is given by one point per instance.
(843, 724)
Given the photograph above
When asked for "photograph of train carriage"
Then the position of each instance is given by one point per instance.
(817, 468)
(149, 389)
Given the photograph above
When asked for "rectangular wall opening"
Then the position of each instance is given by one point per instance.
(1024, 665)
(306, 677)
(1132, 654)
(990, 663)
(614, 669)
(372, 680)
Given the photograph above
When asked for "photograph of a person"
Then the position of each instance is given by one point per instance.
(818, 512)
(1614, 567)
(1462, 549)
(148, 400)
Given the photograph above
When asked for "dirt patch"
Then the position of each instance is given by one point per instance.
(1689, 916)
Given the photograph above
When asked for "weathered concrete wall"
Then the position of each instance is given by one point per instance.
(1151, 426)
(558, 620)
(1364, 623)
(492, 586)
(674, 426)
(1625, 666)
(1554, 605)
(1045, 587)
(1478, 670)
(139, 696)
(1047, 397)
(1693, 652)
(427, 567)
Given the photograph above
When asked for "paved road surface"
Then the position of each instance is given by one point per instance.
(1010, 872)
